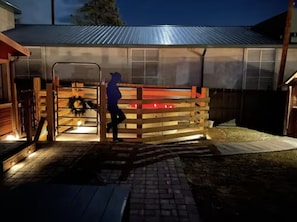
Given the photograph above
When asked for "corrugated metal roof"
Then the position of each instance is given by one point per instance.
(10, 7)
(138, 36)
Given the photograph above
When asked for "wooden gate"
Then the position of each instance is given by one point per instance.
(76, 109)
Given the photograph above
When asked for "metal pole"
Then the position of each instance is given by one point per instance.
(53, 11)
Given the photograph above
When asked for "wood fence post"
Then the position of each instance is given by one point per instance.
(102, 108)
(36, 88)
(139, 93)
(193, 91)
(28, 115)
(50, 112)
(193, 96)
(204, 94)
(15, 112)
(14, 99)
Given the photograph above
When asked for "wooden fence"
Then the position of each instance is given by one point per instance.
(154, 114)
(6, 119)
(255, 109)
(159, 113)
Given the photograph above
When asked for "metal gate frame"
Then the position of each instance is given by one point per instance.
(61, 103)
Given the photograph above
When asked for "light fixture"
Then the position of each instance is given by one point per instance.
(11, 137)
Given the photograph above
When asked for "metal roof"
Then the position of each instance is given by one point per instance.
(139, 36)
(10, 7)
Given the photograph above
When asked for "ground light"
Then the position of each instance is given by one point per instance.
(18, 165)
(18, 157)
(11, 137)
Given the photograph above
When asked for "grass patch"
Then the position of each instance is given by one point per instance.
(244, 187)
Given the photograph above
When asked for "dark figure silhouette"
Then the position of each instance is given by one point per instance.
(113, 96)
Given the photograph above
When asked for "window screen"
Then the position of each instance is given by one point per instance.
(145, 63)
(260, 66)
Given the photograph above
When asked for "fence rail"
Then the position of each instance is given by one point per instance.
(155, 114)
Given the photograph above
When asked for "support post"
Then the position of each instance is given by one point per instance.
(139, 113)
(193, 96)
(39, 129)
(204, 94)
(102, 110)
(14, 99)
(286, 41)
(50, 112)
(36, 88)
(28, 115)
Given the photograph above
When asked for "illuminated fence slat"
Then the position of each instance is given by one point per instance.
(155, 114)
(162, 113)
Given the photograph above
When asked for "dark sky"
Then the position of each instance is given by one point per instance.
(163, 12)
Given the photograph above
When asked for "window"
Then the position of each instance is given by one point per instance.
(145, 66)
(260, 66)
(293, 37)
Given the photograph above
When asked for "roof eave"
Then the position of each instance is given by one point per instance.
(158, 45)
(10, 7)
(13, 47)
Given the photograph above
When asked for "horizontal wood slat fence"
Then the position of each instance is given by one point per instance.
(5, 119)
(155, 114)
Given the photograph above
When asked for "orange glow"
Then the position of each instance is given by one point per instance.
(153, 106)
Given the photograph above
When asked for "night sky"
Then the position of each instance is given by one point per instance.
(163, 12)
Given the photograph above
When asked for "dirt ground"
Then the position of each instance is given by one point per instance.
(246, 187)
(236, 134)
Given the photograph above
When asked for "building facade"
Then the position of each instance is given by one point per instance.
(250, 66)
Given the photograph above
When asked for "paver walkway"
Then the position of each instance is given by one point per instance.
(159, 187)
(269, 145)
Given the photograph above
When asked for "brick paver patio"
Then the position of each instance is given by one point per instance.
(159, 188)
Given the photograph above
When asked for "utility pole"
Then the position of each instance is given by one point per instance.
(53, 11)
(286, 41)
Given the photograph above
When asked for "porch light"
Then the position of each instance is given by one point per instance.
(79, 123)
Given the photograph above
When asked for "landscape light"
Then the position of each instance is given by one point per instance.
(11, 137)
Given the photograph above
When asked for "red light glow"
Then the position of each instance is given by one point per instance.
(153, 106)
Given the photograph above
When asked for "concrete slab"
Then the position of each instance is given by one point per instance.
(269, 145)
